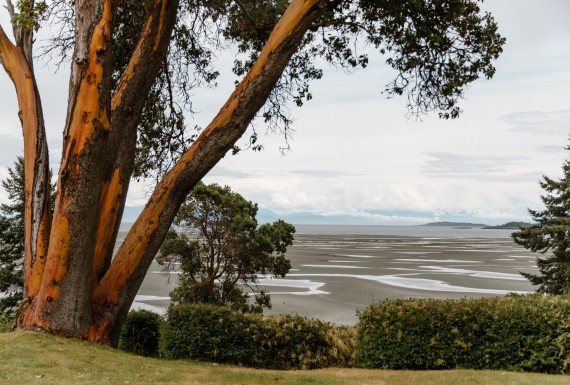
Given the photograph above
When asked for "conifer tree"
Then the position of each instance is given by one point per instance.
(12, 240)
(550, 235)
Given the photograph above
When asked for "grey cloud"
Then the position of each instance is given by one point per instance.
(226, 172)
(482, 168)
(447, 163)
(551, 149)
(321, 173)
(10, 148)
(539, 122)
(527, 177)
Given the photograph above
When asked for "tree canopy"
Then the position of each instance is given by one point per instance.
(435, 47)
(133, 69)
(221, 251)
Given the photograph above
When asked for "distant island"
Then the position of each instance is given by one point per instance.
(456, 224)
(510, 225)
(467, 225)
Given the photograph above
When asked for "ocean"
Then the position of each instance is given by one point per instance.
(404, 231)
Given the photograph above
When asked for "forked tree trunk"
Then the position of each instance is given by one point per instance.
(80, 291)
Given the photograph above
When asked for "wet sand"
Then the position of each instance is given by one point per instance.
(333, 276)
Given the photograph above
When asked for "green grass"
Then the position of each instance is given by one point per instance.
(30, 358)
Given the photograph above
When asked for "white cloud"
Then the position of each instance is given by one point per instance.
(540, 122)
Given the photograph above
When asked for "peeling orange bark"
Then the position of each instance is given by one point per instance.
(153, 31)
(108, 218)
(133, 247)
(88, 109)
(137, 241)
(160, 23)
(36, 237)
(149, 32)
(55, 272)
(89, 116)
(35, 270)
(75, 302)
(148, 54)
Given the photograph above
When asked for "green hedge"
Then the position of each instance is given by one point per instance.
(219, 334)
(301, 343)
(521, 333)
(140, 333)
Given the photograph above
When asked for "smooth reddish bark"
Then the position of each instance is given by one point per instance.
(36, 165)
(81, 291)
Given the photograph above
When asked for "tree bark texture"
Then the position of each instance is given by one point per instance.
(73, 285)
(36, 164)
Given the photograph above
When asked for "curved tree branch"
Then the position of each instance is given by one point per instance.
(126, 107)
(36, 163)
(121, 282)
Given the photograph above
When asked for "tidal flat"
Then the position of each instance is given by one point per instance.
(334, 275)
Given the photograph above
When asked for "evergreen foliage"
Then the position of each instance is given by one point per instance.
(222, 250)
(550, 236)
(12, 240)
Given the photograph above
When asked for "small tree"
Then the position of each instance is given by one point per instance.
(12, 240)
(222, 250)
(550, 233)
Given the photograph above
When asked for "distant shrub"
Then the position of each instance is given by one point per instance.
(219, 334)
(6, 323)
(528, 333)
(141, 333)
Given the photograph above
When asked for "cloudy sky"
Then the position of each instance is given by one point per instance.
(355, 154)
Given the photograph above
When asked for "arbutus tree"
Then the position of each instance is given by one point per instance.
(133, 65)
(222, 252)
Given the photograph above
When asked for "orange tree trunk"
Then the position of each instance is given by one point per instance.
(116, 290)
(17, 61)
(80, 291)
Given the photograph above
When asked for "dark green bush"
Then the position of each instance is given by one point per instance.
(219, 334)
(211, 333)
(529, 333)
(141, 333)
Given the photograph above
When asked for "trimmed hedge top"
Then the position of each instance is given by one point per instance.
(528, 333)
(219, 334)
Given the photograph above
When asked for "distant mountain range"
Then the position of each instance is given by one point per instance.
(367, 218)
(306, 218)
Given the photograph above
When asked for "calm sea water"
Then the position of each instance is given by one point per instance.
(405, 231)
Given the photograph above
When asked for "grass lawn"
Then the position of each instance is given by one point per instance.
(30, 358)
